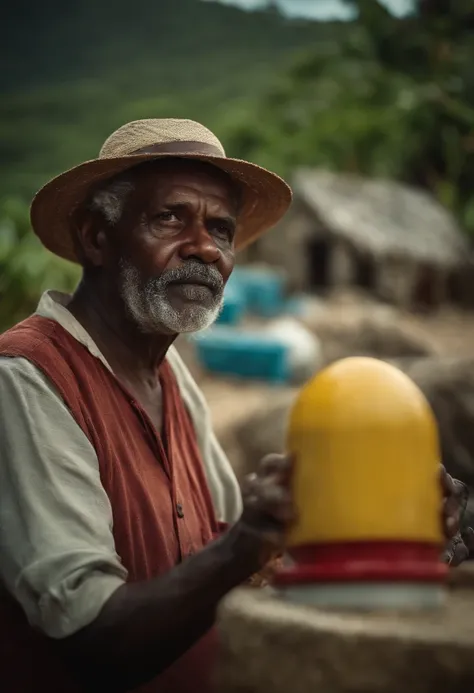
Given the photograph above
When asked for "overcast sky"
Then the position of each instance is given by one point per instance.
(321, 9)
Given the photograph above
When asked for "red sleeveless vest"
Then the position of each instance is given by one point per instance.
(162, 509)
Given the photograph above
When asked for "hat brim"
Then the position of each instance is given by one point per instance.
(265, 197)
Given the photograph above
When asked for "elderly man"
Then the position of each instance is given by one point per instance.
(121, 523)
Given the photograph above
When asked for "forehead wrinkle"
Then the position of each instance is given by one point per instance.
(211, 211)
(189, 197)
(188, 167)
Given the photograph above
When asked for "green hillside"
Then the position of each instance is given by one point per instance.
(93, 66)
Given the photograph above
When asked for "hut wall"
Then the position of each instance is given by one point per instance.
(396, 280)
(342, 266)
(440, 287)
(285, 247)
(460, 285)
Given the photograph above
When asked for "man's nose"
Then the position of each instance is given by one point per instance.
(200, 245)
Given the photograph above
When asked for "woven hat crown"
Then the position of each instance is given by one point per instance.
(265, 196)
(140, 134)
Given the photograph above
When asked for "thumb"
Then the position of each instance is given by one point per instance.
(468, 538)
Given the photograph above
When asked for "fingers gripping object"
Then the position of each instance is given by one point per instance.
(366, 489)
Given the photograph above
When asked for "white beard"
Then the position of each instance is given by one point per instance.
(147, 302)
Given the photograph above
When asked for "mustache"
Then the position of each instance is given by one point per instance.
(193, 271)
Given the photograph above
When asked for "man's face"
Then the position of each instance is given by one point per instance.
(176, 247)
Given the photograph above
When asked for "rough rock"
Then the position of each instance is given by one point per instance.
(269, 645)
(264, 431)
(368, 337)
(352, 325)
(448, 385)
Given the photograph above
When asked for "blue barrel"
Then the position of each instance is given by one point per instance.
(263, 290)
(234, 306)
(248, 355)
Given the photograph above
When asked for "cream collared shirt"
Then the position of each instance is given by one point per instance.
(57, 552)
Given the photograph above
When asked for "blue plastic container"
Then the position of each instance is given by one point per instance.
(263, 290)
(234, 306)
(243, 354)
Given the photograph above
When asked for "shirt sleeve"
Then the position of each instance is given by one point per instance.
(57, 552)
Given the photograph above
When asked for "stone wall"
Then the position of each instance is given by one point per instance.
(269, 646)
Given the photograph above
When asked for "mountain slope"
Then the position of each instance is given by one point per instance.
(77, 70)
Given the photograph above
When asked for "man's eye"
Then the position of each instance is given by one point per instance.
(223, 231)
(166, 216)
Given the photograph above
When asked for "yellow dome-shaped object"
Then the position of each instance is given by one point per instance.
(366, 458)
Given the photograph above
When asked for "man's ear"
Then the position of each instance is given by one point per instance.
(90, 239)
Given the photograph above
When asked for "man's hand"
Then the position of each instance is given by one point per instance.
(460, 541)
(269, 511)
(268, 506)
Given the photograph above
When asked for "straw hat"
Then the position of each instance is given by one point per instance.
(266, 197)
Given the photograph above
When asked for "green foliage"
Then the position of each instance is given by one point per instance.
(394, 97)
(380, 96)
(94, 69)
(26, 270)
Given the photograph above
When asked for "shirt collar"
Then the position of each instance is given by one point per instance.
(53, 305)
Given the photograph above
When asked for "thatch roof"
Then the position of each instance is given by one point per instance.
(382, 217)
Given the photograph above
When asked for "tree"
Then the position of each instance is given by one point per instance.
(395, 97)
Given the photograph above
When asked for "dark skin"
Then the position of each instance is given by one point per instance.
(179, 211)
(464, 543)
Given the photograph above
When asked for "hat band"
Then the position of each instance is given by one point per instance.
(199, 148)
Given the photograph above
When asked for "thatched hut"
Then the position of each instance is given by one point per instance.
(396, 242)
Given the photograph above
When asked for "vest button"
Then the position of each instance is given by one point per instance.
(179, 510)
